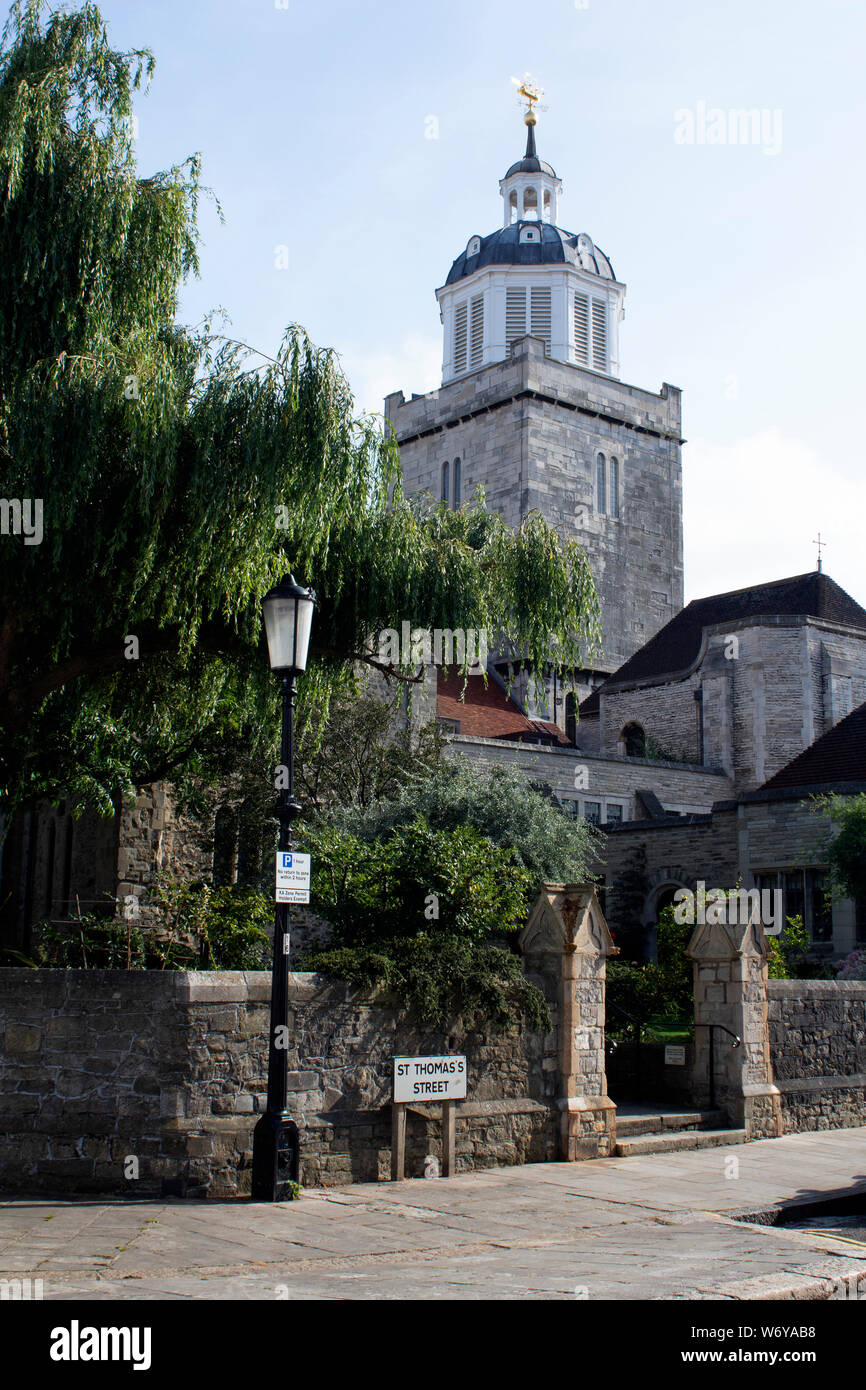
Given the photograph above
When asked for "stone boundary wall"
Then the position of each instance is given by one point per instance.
(98, 1067)
(818, 1051)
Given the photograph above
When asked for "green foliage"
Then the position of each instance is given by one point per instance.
(440, 979)
(206, 928)
(181, 473)
(355, 756)
(414, 913)
(198, 928)
(845, 848)
(90, 942)
(500, 804)
(658, 989)
(787, 953)
(378, 890)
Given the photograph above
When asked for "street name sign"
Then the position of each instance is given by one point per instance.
(429, 1078)
(293, 877)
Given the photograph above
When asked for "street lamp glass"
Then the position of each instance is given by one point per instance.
(288, 613)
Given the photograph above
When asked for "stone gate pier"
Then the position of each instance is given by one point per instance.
(565, 946)
(730, 973)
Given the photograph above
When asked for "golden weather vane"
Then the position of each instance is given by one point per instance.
(528, 90)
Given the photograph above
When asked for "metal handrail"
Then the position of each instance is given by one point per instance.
(711, 1061)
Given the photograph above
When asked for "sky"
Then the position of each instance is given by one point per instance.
(744, 260)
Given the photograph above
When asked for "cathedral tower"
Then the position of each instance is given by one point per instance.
(531, 407)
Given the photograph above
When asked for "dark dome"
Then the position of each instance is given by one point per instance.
(555, 247)
(531, 164)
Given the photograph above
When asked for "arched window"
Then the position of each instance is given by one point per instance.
(634, 739)
(530, 203)
(601, 484)
(457, 483)
(446, 476)
(614, 487)
(512, 205)
(225, 846)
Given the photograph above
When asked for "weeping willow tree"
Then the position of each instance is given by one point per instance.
(157, 479)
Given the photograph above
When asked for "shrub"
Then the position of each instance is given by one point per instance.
(416, 915)
(199, 928)
(206, 928)
(788, 954)
(440, 978)
(89, 942)
(500, 804)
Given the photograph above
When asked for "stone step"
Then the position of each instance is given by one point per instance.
(628, 1126)
(678, 1141)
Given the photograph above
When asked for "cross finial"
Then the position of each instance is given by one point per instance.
(820, 544)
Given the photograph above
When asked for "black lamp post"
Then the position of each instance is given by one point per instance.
(288, 614)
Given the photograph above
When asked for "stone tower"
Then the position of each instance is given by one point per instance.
(531, 407)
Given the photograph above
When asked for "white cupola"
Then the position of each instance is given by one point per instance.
(530, 190)
(530, 277)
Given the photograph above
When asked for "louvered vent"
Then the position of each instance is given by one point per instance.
(515, 316)
(476, 344)
(460, 338)
(599, 334)
(540, 314)
(581, 328)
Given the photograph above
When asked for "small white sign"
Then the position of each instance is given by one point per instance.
(293, 877)
(675, 1056)
(429, 1078)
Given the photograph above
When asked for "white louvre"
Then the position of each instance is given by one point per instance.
(460, 338)
(539, 309)
(515, 315)
(581, 328)
(599, 334)
(476, 344)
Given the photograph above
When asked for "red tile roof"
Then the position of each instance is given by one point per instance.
(487, 712)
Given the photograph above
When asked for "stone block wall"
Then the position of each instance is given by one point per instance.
(98, 1068)
(791, 680)
(818, 1051)
(529, 430)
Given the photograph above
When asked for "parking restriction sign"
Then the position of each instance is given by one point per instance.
(293, 877)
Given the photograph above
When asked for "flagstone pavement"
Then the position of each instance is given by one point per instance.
(648, 1227)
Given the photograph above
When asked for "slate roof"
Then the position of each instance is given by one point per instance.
(837, 757)
(555, 247)
(490, 713)
(676, 646)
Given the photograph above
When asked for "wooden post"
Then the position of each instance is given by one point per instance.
(398, 1142)
(449, 1132)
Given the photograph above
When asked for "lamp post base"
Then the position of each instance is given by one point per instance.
(276, 1149)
